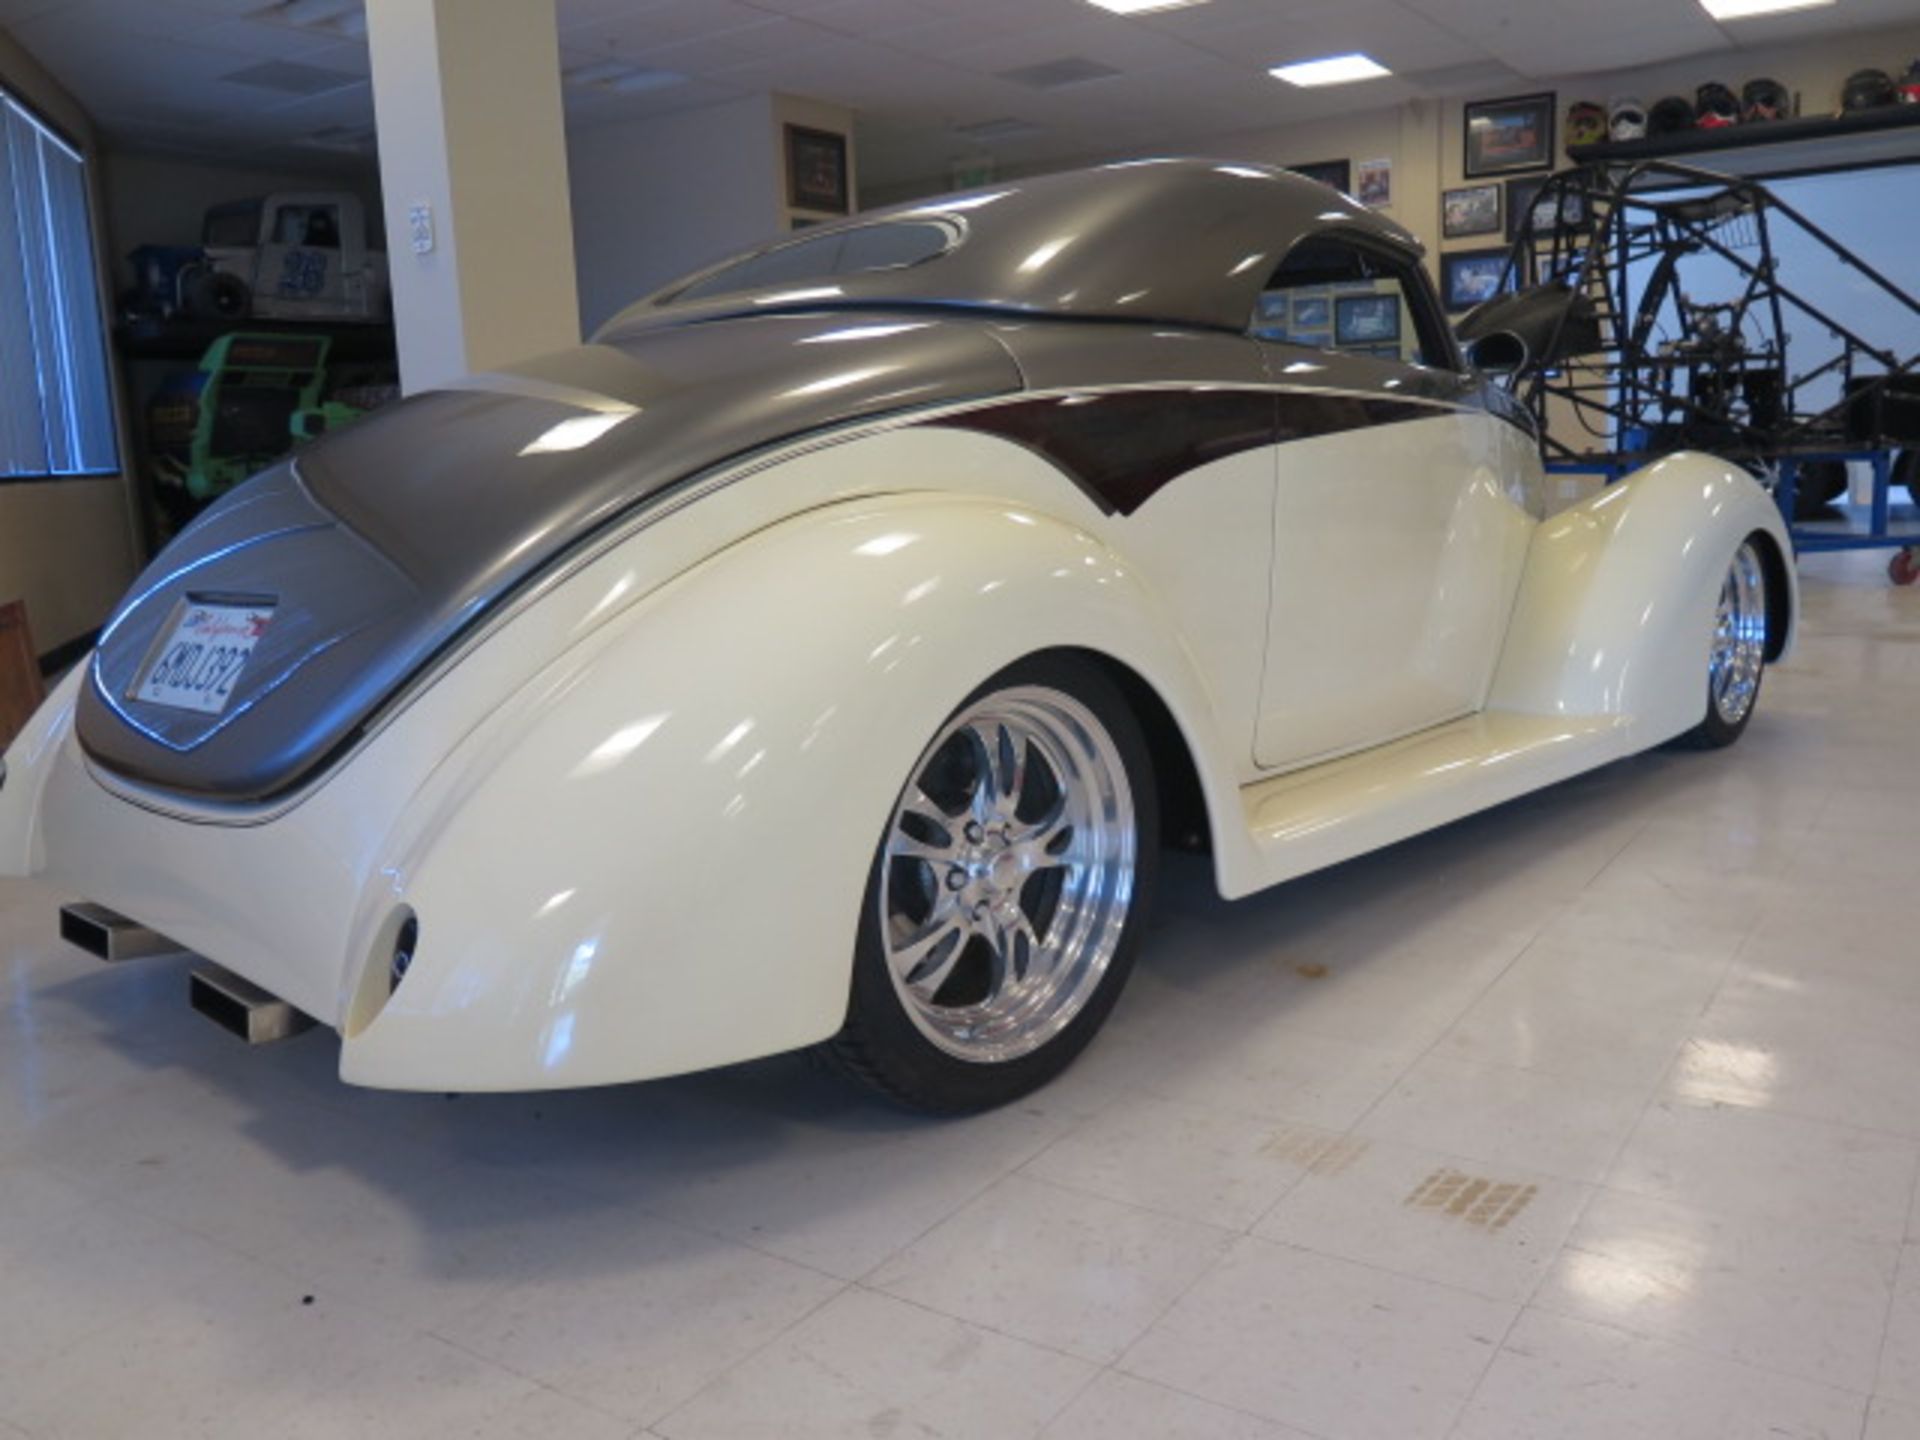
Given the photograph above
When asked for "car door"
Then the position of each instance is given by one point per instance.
(301, 273)
(1400, 529)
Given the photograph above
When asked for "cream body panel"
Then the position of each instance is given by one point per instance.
(1616, 610)
(636, 819)
(1397, 554)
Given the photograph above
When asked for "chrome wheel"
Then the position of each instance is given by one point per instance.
(1739, 638)
(1007, 874)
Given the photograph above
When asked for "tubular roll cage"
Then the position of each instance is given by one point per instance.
(1611, 221)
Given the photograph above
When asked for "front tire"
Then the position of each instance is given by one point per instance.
(1737, 657)
(1007, 894)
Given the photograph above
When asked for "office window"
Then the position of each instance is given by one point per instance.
(56, 406)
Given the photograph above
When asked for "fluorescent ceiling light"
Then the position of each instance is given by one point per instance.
(1141, 7)
(1743, 9)
(1334, 70)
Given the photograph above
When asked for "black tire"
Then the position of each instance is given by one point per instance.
(1819, 484)
(1723, 725)
(882, 1043)
(215, 295)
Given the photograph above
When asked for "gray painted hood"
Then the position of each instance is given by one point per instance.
(390, 539)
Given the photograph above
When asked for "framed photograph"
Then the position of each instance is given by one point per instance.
(1472, 210)
(1366, 319)
(1312, 312)
(1375, 184)
(1471, 277)
(1337, 173)
(817, 170)
(1505, 136)
(1524, 204)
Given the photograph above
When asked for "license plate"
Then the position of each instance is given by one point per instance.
(197, 665)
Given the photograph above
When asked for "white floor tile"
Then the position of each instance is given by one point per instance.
(633, 1315)
(1609, 1013)
(1508, 1117)
(1561, 1379)
(1739, 1160)
(1339, 1350)
(1891, 1420)
(865, 1364)
(1054, 1266)
(1900, 1358)
(1431, 1216)
(1200, 1164)
(1120, 1407)
(1793, 1298)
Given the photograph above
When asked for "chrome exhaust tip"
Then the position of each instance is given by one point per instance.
(111, 937)
(237, 1004)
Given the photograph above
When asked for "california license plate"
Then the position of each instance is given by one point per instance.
(197, 665)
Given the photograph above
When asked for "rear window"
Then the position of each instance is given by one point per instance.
(231, 225)
(890, 245)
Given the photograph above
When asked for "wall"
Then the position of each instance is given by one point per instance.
(67, 547)
(654, 199)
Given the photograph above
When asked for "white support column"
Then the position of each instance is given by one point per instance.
(473, 165)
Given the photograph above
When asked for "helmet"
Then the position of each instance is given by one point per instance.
(1765, 100)
(1586, 123)
(1670, 116)
(1627, 118)
(1718, 107)
(1910, 87)
(1868, 90)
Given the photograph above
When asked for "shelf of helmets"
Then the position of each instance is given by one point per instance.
(1885, 135)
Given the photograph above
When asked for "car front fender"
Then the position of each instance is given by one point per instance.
(653, 859)
(1616, 607)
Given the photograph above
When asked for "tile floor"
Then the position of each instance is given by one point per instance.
(1595, 1117)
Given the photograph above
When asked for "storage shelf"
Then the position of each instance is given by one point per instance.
(1886, 135)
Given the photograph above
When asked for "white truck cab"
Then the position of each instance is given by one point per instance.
(295, 255)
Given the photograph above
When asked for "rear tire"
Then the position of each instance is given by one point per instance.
(1737, 658)
(1007, 895)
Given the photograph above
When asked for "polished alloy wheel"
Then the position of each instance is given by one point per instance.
(1739, 638)
(1007, 874)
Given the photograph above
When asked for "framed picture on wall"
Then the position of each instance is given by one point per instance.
(1312, 312)
(1366, 319)
(1337, 173)
(1505, 136)
(1376, 184)
(817, 170)
(1472, 210)
(1471, 277)
(1524, 205)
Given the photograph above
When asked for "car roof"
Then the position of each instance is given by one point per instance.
(1176, 241)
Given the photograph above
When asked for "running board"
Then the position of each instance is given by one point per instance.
(1320, 816)
(111, 937)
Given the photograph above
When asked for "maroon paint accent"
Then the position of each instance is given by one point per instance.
(1124, 447)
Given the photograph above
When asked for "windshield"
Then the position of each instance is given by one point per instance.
(234, 224)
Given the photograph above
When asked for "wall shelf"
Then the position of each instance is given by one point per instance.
(1883, 136)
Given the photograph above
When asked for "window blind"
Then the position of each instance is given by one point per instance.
(56, 403)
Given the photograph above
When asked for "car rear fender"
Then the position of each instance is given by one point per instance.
(652, 859)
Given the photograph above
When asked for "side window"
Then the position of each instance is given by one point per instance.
(1330, 294)
(315, 226)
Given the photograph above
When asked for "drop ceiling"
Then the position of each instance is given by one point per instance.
(934, 81)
